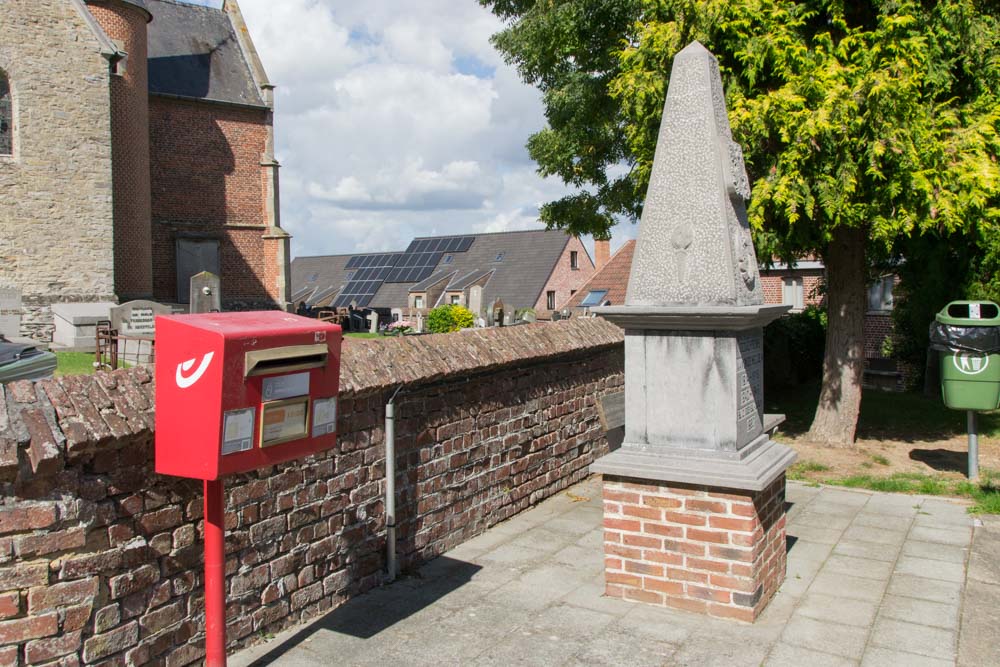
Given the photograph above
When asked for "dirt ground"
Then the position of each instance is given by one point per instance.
(946, 458)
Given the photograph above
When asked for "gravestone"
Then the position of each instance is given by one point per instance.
(10, 313)
(476, 300)
(693, 318)
(135, 322)
(420, 323)
(206, 293)
(76, 325)
(372, 322)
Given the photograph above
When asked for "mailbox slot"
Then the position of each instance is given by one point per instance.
(285, 359)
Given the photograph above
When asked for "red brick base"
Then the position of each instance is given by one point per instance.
(713, 551)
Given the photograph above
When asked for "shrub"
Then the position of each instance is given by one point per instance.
(446, 318)
(793, 348)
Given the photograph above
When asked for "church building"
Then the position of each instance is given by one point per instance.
(136, 150)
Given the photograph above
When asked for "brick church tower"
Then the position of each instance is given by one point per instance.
(136, 150)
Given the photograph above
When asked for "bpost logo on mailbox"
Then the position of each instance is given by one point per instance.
(185, 381)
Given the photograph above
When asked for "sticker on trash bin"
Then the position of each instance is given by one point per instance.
(974, 312)
(969, 364)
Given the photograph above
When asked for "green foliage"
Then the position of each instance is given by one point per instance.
(793, 348)
(74, 363)
(447, 318)
(870, 114)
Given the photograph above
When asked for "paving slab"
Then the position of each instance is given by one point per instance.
(914, 638)
(937, 551)
(843, 640)
(845, 611)
(787, 655)
(872, 579)
(922, 612)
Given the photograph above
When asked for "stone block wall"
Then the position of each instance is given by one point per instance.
(719, 552)
(125, 23)
(58, 183)
(101, 558)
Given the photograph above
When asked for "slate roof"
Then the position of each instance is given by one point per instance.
(318, 274)
(612, 277)
(519, 277)
(529, 258)
(194, 53)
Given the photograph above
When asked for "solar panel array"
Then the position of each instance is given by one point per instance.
(414, 267)
(368, 272)
(448, 244)
(367, 275)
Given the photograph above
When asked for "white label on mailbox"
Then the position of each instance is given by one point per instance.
(237, 431)
(324, 416)
(974, 312)
(286, 386)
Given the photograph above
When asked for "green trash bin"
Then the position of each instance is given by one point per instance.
(967, 334)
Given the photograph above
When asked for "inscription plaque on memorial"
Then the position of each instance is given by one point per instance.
(750, 386)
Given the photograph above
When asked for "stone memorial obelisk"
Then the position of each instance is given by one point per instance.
(694, 498)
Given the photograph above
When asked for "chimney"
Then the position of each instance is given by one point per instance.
(602, 252)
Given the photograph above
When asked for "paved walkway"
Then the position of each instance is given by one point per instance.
(873, 579)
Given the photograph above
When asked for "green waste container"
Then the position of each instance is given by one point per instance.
(967, 334)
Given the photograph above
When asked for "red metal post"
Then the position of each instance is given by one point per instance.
(215, 574)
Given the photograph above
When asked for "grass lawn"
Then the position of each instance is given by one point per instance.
(74, 363)
(906, 443)
(363, 335)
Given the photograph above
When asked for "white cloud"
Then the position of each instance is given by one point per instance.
(396, 119)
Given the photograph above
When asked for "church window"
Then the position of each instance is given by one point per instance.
(6, 118)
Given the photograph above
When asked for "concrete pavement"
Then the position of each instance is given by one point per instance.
(873, 579)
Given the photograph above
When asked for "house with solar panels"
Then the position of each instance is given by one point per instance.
(536, 269)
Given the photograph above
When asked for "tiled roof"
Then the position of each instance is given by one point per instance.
(612, 277)
(323, 273)
(194, 53)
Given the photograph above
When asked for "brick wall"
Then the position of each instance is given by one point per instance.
(707, 550)
(207, 181)
(772, 282)
(56, 221)
(100, 558)
(564, 279)
(126, 25)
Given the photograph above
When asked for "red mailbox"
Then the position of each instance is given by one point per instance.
(236, 392)
(240, 391)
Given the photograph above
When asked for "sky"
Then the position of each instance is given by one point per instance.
(395, 119)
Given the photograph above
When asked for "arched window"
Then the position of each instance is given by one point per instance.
(6, 118)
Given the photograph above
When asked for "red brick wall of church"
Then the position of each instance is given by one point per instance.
(207, 182)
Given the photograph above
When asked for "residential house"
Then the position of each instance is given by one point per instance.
(535, 269)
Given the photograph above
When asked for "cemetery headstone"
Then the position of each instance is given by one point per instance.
(693, 318)
(135, 322)
(206, 293)
(476, 300)
(10, 312)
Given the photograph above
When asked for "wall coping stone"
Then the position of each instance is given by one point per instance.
(45, 422)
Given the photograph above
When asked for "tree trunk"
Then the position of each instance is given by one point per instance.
(844, 359)
(932, 375)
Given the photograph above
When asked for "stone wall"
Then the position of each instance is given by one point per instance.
(100, 558)
(125, 23)
(57, 184)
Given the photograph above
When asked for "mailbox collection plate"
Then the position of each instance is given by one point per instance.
(284, 421)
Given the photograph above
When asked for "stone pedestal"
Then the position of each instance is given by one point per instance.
(694, 498)
(709, 550)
